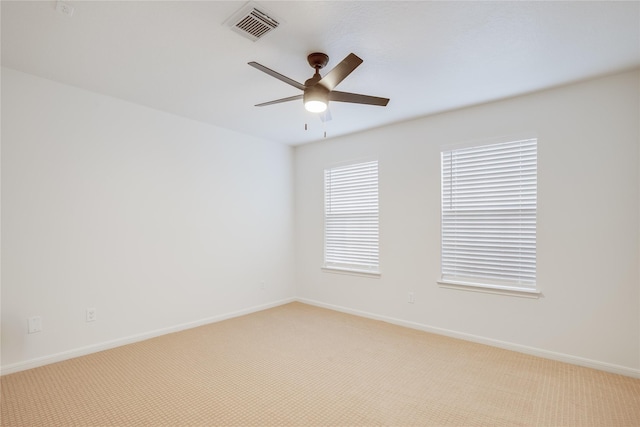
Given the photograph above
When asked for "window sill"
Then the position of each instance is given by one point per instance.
(491, 289)
(352, 272)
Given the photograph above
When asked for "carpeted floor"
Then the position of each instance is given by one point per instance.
(301, 365)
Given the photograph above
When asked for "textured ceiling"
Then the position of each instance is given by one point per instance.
(427, 57)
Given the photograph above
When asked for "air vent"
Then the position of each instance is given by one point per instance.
(252, 22)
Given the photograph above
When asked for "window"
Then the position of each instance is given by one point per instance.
(489, 195)
(351, 217)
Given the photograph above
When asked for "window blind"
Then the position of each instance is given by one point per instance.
(489, 198)
(351, 217)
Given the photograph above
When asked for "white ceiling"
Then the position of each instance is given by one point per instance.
(427, 57)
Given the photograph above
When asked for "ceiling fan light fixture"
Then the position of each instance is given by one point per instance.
(316, 99)
(315, 106)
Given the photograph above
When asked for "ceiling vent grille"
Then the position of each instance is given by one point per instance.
(252, 22)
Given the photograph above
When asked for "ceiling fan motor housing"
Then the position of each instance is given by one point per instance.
(316, 93)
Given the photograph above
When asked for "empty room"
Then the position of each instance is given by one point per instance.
(309, 213)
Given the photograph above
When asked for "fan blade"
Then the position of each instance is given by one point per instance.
(278, 101)
(325, 116)
(277, 75)
(340, 71)
(357, 98)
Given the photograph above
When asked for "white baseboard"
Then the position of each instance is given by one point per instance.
(94, 348)
(575, 360)
(561, 357)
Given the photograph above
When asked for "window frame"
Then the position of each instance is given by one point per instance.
(477, 284)
(333, 266)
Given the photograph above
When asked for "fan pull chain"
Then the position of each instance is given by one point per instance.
(306, 127)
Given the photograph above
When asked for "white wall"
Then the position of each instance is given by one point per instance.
(155, 220)
(588, 218)
(161, 222)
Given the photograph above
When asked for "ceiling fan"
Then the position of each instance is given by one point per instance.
(318, 90)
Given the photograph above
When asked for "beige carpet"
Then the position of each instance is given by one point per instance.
(302, 365)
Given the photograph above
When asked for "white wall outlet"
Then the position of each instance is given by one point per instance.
(262, 285)
(91, 314)
(64, 9)
(412, 298)
(35, 324)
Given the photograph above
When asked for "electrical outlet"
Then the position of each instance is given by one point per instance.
(262, 285)
(412, 298)
(35, 324)
(91, 314)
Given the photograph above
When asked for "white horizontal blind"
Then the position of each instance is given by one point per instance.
(489, 195)
(351, 217)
